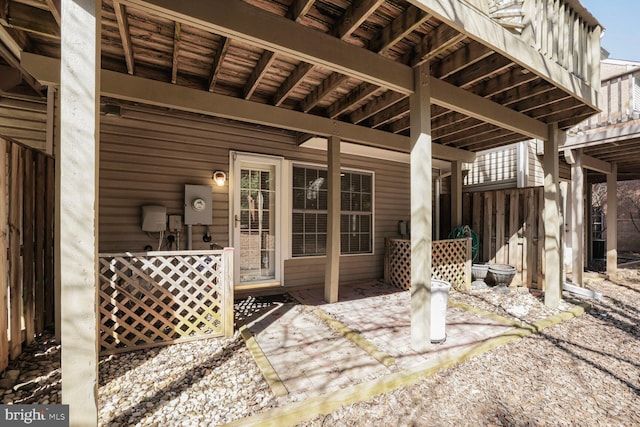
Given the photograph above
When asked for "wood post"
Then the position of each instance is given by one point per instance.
(612, 223)
(49, 218)
(551, 217)
(78, 167)
(15, 278)
(39, 220)
(456, 194)
(227, 286)
(577, 219)
(28, 254)
(4, 244)
(332, 266)
(421, 209)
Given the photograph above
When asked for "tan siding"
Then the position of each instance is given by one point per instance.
(497, 168)
(24, 120)
(536, 173)
(148, 155)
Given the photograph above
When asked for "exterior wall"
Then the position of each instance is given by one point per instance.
(147, 156)
(493, 169)
(24, 119)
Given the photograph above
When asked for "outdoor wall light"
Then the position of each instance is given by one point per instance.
(220, 178)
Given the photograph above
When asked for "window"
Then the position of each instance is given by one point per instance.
(309, 216)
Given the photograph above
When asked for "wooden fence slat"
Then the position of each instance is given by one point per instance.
(487, 252)
(476, 216)
(528, 244)
(28, 255)
(15, 280)
(4, 244)
(48, 243)
(540, 249)
(500, 227)
(514, 231)
(39, 235)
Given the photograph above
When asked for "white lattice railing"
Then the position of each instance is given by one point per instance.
(450, 261)
(159, 298)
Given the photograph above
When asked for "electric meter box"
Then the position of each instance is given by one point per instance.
(154, 218)
(197, 204)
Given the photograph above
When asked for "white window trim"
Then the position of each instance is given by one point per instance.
(294, 163)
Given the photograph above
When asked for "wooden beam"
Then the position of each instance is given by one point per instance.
(325, 88)
(421, 211)
(552, 225)
(78, 204)
(8, 38)
(479, 71)
(218, 59)
(137, 89)
(125, 35)
(31, 19)
(460, 59)
(384, 101)
(450, 96)
(360, 93)
(456, 193)
(259, 28)
(390, 114)
(399, 28)
(292, 81)
(258, 73)
(299, 8)
(177, 35)
(4, 267)
(354, 16)
(484, 30)
(435, 42)
(332, 266)
(14, 62)
(54, 7)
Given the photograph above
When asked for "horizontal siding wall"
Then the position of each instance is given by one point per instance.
(147, 155)
(496, 168)
(24, 119)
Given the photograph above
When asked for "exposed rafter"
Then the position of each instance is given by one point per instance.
(399, 28)
(466, 56)
(390, 114)
(299, 8)
(354, 16)
(479, 70)
(54, 7)
(177, 35)
(125, 35)
(385, 101)
(294, 79)
(30, 19)
(14, 62)
(435, 43)
(259, 71)
(327, 86)
(223, 46)
(358, 94)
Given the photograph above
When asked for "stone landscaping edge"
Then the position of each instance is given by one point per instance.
(297, 412)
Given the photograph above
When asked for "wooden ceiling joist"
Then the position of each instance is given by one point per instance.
(390, 114)
(125, 35)
(354, 16)
(30, 19)
(360, 93)
(462, 58)
(327, 86)
(218, 59)
(258, 73)
(478, 71)
(434, 43)
(54, 8)
(386, 100)
(299, 8)
(177, 35)
(399, 28)
(292, 81)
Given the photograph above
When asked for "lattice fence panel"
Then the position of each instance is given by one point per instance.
(449, 262)
(161, 298)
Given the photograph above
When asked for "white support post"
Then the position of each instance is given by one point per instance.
(78, 203)
(612, 223)
(421, 206)
(551, 218)
(577, 219)
(456, 193)
(332, 266)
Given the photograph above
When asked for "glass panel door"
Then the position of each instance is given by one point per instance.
(255, 217)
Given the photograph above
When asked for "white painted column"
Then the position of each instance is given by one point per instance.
(421, 206)
(332, 265)
(78, 203)
(551, 218)
(456, 193)
(577, 218)
(612, 222)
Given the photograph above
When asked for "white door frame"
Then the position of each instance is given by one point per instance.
(236, 161)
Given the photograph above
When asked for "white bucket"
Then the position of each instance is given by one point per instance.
(439, 299)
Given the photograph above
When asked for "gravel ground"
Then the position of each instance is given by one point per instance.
(585, 371)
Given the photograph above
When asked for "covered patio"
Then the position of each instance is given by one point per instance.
(420, 79)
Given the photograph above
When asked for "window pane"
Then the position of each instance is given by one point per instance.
(322, 244)
(297, 242)
(322, 223)
(365, 223)
(322, 200)
(355, 183)
(344, 243)
(367, 182)
(367, 206)
(345, 182)
(309, 223)
(310, 244)
(298, 178)
(354, 243)
(365, 243)
(356, 202)
(297, 223)
(345, 201)
(265, 180)
(298, 199)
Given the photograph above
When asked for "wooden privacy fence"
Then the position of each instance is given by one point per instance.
(26, 237)
(159, 298)
(450, 261)
(510, 229)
